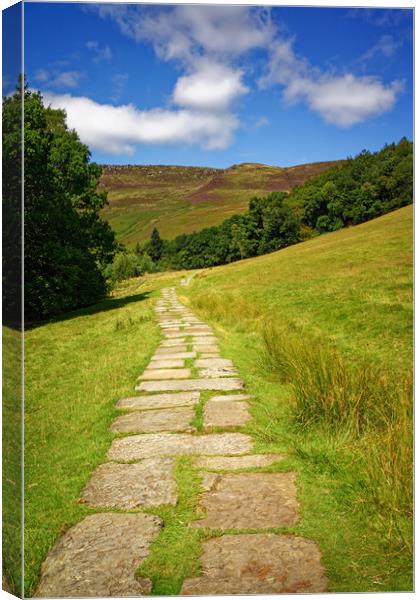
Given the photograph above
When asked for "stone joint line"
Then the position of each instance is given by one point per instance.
(99, 555)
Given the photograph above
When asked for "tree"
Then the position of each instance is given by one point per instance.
(67, 244)
(156, 246)
(12, 206)
(124, 266)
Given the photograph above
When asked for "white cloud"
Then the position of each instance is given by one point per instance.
(211, 87)
(100, 53)
(186, 32)
(119, 80)
(63, 79)
(209, 45)
(387, 45)
(342, 100)
(69, 79)
(117, 129)
(345, 100)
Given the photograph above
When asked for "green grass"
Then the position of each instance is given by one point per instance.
(175, 553)
(351, 291)
(322, 335)
(76, 370)
(12, 463)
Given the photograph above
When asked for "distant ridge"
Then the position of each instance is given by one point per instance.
(178, 199)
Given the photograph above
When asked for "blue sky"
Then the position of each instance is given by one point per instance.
(211, 85)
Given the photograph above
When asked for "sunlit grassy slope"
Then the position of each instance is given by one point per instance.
(76, 368)
(180, 200)
(11, 458)
(354, 285)
(328, 323)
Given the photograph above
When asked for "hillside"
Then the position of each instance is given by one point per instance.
(180, 200)
(322, 333)
(352, 287)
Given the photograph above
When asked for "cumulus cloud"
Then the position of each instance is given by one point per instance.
(209, 46)
(186, 32)
(344, 100)
(211, 87)
(340, 99)
(117, 129)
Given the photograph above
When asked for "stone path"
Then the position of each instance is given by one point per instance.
(100, 555)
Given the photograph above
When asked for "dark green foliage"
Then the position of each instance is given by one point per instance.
(361, 189)
(12, 207)
(365, 187)
(67, 244)
(124, 266)
(268, 225)
(155, 247)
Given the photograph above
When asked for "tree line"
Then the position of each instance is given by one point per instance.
(362, 188)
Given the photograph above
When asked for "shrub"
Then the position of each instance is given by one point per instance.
(124, 266)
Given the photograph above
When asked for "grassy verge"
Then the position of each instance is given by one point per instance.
(76, 369)
(12, 463)
(321, 333)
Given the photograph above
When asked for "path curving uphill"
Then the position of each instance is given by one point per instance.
(100, 555)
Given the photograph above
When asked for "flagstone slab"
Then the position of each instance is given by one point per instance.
(198, 330)
(170, 335)
(171, 363)
(212, 363)
(146, 484)
(210, 355)
(181, 385)
(260, 563)
(250, 500)
(172, 343)
(151, 374)
(234, 463)
(170, 419)
(137, 447)
(202, 339)
(163, 350)
(225, 414)
(156, 401)
(206, 347)
(173, 353)
(98, 557)
(231, 398)
(218, 372)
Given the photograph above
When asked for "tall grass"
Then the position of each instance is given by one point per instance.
(373, 407)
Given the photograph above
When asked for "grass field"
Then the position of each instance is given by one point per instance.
(12, 458)
(76, 369)
(348, 293)
(180, 200)
(325, 322)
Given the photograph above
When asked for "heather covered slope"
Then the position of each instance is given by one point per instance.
(180, 200)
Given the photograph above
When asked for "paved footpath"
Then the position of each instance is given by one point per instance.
(99, 555)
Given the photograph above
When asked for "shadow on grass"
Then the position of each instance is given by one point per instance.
(104, 305)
